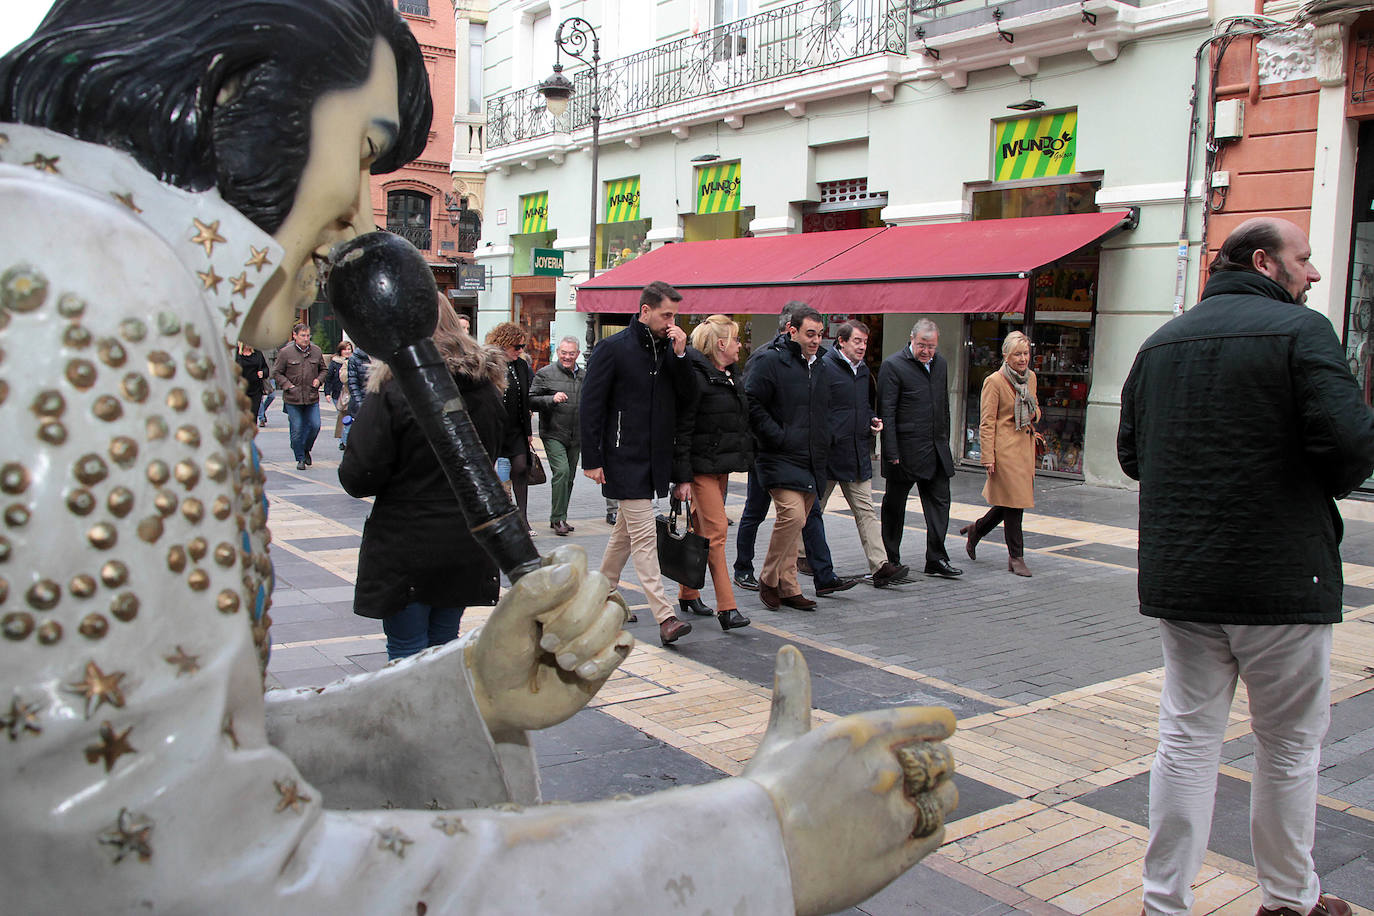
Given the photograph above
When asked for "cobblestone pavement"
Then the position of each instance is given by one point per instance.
(1055, 680)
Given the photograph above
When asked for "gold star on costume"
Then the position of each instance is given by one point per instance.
(22, 719)
(127, 200)
(210, 280)
(393, 840)
(241, 284)
(44, 163)
(291, 795)
(185, 664)
(131, 833)
(231, 313)
(448, 825)
(257, 259)
(112, 746)
(207, 235)
(99, 688)
(226, 728)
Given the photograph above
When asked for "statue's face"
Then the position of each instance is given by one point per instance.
(349, 130)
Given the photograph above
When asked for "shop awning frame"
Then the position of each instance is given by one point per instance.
(893, 269)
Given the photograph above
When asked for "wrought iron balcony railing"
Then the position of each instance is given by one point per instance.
(420, 238)
(782, 42)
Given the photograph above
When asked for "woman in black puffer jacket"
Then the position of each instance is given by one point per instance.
(419, 566)
(712, 440)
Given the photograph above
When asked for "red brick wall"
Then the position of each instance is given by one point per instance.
(430, 173)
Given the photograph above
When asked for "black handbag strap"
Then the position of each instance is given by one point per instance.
(684, 506)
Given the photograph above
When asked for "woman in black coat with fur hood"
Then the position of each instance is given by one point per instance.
(419, 566)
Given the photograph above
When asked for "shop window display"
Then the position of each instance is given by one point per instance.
(623, 242)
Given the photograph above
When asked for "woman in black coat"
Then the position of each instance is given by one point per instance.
(517, 443)
(253, 366)
(419, 566)
(712, 440)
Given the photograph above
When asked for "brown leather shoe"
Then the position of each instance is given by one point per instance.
(768, 594)
(889, 572)
(804, 567)
(971, 545)
(671, 629)
(1018, 566)
(1327, 905)
(799, 602)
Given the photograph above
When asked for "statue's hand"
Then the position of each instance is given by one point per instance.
(549, 645)
(860, 799)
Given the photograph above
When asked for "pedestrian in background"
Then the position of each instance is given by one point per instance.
(1243, 425)
(635, 379)
(1006, 441)
(253, 368)
(336, 389)
(815, 559)
(517, 442)
(300, 372)
(419, 566)
(556, 394)
(913, 401)
(789, 404)
(855, 424)
(713, 440)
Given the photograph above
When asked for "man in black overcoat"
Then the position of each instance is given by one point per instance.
(913, 403)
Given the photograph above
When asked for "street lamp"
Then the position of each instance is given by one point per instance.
(572, 37)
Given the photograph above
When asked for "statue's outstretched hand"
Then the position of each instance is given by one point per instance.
(549, 646)
(860, 799)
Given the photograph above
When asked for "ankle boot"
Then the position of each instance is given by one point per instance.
(1018, 566)
(731, 619)
(696, 606)
(971, 546)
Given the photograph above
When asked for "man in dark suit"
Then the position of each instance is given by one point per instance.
(629, 413)
(913, 403)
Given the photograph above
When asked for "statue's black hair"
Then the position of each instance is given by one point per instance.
(144, 76)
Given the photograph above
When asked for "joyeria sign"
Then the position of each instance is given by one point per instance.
(1035, 147)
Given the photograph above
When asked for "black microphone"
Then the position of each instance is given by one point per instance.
(383, 292)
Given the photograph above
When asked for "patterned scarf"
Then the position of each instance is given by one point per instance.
(1023, 408)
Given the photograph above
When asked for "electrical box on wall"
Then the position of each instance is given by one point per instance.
(1228, 120)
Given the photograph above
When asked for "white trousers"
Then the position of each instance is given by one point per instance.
(1287, 671)
(636, 537)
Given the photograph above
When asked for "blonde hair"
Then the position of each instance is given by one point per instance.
(713, 330)
(1012, 341)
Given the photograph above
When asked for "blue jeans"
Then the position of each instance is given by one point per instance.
(267, 399)
(305, 426)
(417, 626)
(756, 503)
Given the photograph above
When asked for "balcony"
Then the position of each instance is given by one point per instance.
(782, 42)
(420, 238)
(413, 7)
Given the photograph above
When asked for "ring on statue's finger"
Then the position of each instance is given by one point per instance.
(924, 764)
(929, 817)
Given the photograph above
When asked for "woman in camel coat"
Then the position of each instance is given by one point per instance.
(1007, 435)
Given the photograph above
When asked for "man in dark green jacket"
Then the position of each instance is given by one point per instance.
(556, 395)
(1243, 426)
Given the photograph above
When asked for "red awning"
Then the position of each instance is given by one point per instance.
(981, 266)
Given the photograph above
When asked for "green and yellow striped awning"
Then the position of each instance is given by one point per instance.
(622, 200)
(534, 212)
(718, 187)
(1036, 147)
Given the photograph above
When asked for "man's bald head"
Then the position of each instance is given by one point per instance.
(1274, 248)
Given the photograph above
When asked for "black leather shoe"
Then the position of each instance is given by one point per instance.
(839, 585)
(696, 606)
(888, 573)
(308, 462)
(731, 619)
(943, 569)
(300, 465)
(747, 581)
(672, 629)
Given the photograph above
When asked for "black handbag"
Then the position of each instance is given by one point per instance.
(681, 554)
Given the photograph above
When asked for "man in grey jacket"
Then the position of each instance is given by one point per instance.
(556, 395)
